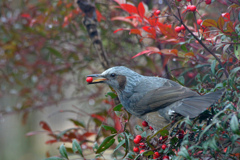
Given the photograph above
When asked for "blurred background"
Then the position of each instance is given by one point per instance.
(45, 55)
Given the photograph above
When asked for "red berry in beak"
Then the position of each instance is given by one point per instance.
(89, 79)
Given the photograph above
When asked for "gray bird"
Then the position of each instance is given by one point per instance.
(154, 99)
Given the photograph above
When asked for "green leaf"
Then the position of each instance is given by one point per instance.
(234, 125)
(54, 52)
(139, 128)
(111, 94)
(184, 48)
(184, 152)
(113, 130)
(119, 145)
(237, 51)
(213, 144)
(107, 142)
(76, 147)
(148, 153)
(63, 151)
(181, 80)
(213, 65)
(118, 107)
(54, 158)
(77, 123)
(209, 23)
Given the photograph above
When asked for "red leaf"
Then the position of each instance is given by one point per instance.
(99, 16)
(101, 118)
(34, 133)
(169, 51)
(125, 19)
(189, 54)
(45, 126)
(88, 134)
(135, 31)
(25, 15)
(209, 23)
(141, 9)
(141, 53)
(226, 17)
(51, 141)
(129, 8)
(120, 29)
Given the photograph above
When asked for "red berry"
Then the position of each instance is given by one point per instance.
(199, 21)
(183, 28)
(156, 154)
(136, 140)
(141, 145)
(208, 1)
(144, 124)
(150, 127)
(193, 8)
(157, 12)
(188, 0)
(135, 149)
(142, 151)
(89, 79)
(190, 74)
(138, 137)
(165, 157)
(178, 29)
(163, 138)
(164, 146)
(188, 7)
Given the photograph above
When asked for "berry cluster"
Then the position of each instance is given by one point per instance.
(159, 146)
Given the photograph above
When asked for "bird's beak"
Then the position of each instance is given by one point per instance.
(99, 79)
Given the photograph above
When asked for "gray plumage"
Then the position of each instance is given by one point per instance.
(155, 99)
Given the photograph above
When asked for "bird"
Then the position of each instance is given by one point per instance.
(155, 100)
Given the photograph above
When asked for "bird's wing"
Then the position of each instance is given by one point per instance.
(193, 106)
(162, 97)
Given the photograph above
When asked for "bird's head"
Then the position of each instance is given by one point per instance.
(119, 78)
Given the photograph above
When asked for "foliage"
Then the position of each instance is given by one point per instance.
(41, 46)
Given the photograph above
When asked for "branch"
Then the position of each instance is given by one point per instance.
(90, 22)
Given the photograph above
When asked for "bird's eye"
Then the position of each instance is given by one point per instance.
(112, 74)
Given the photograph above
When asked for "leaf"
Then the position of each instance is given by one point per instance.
(184, 152)
(54, 52)
(125, 19)
(169, 51)
(54, 158)
(76, 147)
(129, 8)
(107, 142)
(234, 125)
(213, 144)
(100, 118)
(107, 128)
(237, 51)
(209, 23)
(77, 123)
(63, 151)
(118, 107)
(181, 80)
(135, 31)
(111, 94)
(99, 16)
(119, 145)
(120, 29)
(189, 54)
(213, 65)
(220, 23)
(226, 17)
(45, 126)
(141, 9)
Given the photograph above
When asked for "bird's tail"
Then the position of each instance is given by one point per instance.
(194, 106)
